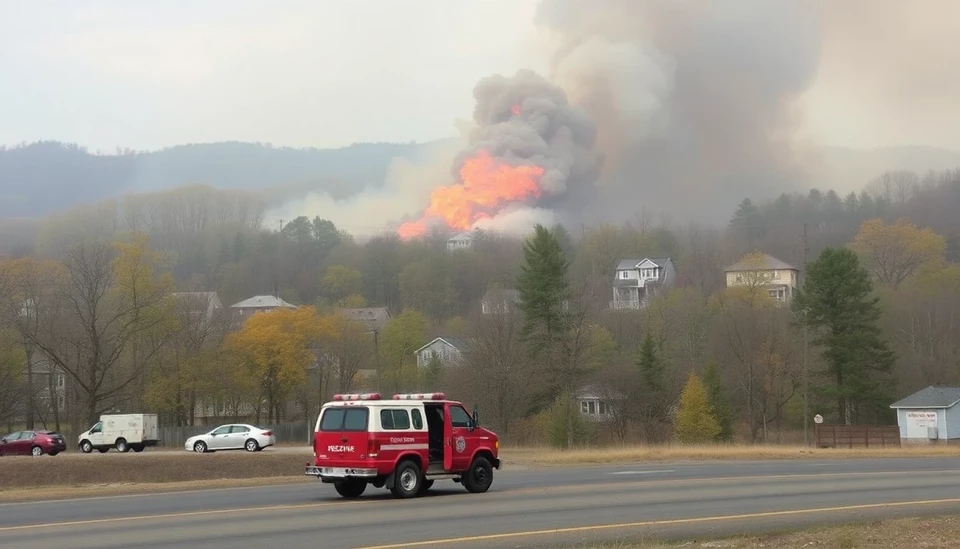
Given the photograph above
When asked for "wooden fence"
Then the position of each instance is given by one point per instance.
(857, 436)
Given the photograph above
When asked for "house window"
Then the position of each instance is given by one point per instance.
(777, 293)
(648, 273)
(624, 275)
(776, 275)
(601, 408)
(739, 278)
(584, 407)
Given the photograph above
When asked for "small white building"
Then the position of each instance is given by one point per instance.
(448, 350)
(930, 414)
(462, 241)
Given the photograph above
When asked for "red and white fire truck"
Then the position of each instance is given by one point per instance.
(404, 443)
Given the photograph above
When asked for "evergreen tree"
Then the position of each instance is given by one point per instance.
(651, 366)
(749, 221)
(695, 422)
(544, 290)
(843, 313)
(719, 401)
(431, 374)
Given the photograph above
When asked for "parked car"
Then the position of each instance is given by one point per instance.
(235, 436)
(32, 443)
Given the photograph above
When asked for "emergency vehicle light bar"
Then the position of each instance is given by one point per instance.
(357, 396)
(419, 396)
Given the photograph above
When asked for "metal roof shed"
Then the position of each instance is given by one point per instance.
(930, 414)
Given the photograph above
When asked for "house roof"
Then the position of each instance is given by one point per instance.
(597, 391)
(455, 342)
(629, 264)
(768, 263)
(931, 397)
(462, 236)
(262, 302)
(374, 318)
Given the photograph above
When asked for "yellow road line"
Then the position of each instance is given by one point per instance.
(181, 515)
(669, 522)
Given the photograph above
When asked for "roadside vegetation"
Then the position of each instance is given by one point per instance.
(914, 533)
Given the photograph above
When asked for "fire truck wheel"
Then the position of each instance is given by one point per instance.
(351, 487)
(480, 476)
(427, 484)
(406, 480)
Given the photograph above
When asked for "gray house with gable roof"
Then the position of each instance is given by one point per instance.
(636, 281)
(930, 414)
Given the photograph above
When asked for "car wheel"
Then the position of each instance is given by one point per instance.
(406, 480)
(200, 447)
(351, 487)
(36, 451)
(479, 477)
(251, 445)
(122, 445)
(86, 447)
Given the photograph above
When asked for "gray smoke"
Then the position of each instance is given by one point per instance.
(693, 101)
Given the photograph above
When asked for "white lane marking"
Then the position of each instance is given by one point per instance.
(641, 472)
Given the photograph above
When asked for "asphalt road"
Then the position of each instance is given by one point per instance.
(525, 508)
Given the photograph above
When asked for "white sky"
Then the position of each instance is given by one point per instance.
(327, 73)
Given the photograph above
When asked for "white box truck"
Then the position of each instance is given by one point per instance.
(124, 432)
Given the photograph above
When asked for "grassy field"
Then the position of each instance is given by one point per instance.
(913, 533)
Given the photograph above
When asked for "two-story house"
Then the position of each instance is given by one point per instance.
(257, 304)
(448, 350)
(778, 278)
(636, 281)
(462, 241)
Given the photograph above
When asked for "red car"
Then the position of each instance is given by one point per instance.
(32, 443)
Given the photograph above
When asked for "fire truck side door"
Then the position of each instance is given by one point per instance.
(447, 439)
(463, 441)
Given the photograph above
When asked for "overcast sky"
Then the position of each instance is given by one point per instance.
(328, 73)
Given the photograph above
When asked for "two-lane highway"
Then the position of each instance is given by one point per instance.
(543, 507)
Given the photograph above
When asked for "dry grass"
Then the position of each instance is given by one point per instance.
(626, 454)
(913, 533)
(146, 468)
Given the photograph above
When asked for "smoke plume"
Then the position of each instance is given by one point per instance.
(693, 101)
(529, 147)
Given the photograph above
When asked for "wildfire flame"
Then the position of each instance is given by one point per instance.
(515, 109)
(487, 185)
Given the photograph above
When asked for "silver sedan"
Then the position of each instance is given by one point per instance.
(236, 436)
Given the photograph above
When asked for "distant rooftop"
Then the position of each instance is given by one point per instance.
(766, 262)
(931, 397)
(629, 264)
(262, 302)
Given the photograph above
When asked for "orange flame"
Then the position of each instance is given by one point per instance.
(487, 185)
(515, 109)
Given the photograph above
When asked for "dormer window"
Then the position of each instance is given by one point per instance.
(624, 274)
(648, 273)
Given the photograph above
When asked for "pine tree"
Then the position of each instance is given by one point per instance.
(544, 290)
(719, 401)
(651, 366)
(843, 313)
(695, 422)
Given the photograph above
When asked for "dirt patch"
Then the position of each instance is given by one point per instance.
(912, 533)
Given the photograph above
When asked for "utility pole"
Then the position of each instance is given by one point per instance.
(806, 382)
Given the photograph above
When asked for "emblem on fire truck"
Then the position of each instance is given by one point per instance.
(461, 444)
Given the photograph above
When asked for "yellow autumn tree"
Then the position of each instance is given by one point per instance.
(695, 421)
(275, 349)
(894, 253)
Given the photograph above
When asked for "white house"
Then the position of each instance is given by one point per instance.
(637, 280)
(449, 350)
(598, 403)
(930, 414)
(499, 301)
(257, 304)
(462, 241)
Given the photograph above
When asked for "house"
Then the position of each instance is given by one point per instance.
(49, 383)
(930, 414)
(258, 304)
(199, 304)
(597, 403)
(780, 279)
(373, 318)
(636, 281)
(499, 301)
(449, 350)
(462, 241)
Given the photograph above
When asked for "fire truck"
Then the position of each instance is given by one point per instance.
(404, 444)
